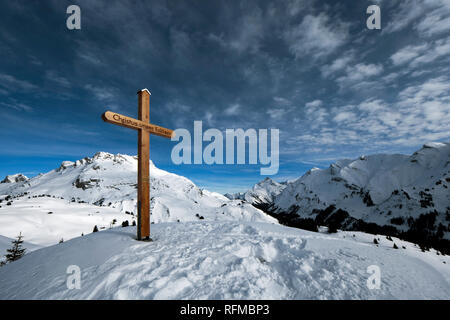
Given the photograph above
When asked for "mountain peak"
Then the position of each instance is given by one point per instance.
(436, 145)
(103, 155)
(107, 183)
(266, 180)
(15, 178)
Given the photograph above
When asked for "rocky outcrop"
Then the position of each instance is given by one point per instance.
(15, 178)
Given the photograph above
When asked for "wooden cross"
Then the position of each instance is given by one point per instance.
(144, 128)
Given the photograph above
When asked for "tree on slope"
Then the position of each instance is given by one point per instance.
(17, 251)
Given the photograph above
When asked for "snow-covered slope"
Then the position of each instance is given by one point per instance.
(403, 193)
(46, 220)
(375, 178)
(227, 260)
(70, 200)
(262, 192)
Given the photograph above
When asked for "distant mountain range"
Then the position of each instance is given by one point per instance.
(220, 249)
(406, 196)
(398, 195)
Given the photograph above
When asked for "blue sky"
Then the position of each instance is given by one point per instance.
(312, 69)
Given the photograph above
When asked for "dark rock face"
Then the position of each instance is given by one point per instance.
(14, 178)
(85, 184)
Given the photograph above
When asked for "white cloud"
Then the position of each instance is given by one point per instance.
(294, 7)
(54, 77)
(17, 106)
(428, 17)
(314, 104)
(315, 113)
(281, 101)
(390, 77)
(11, 83)
(232, 110)
(374, 105)
(408, 53)
(359, 75)
(209, 118)
(362, 71)
(420, 112)
(408, 11)
(176, 106)
(337, 65)
(417, 55)
(435, 22)
(102, 93)
(316, 35)
(345, 116)
(277, 113)
(441, 48)
(245, 34)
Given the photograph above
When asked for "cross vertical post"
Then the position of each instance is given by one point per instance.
(144, 129)
(143, 232)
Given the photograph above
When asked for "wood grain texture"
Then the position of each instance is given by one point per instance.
(144, 128)
(143, 167)
(128, 122)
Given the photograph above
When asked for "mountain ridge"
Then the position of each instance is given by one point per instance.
(102, 186)
(392, 194)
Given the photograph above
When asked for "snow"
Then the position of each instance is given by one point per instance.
(45, 221)
(95, 191)
(262, 192)
(145, 89)
(207, 246)
(227, 260)
(434, 145)
(398, 185)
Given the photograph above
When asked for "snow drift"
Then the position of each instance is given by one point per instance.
(227, 260)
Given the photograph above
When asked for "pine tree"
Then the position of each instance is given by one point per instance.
(16, 252)
(395, 246)
(95, 229)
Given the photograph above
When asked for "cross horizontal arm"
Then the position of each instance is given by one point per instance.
(135, 124)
